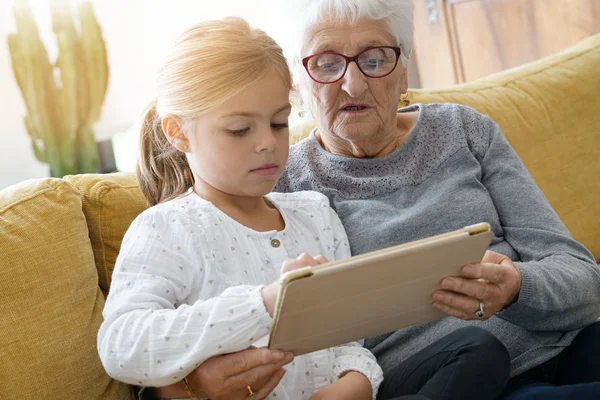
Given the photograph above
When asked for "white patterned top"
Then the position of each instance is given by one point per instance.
(187, 287)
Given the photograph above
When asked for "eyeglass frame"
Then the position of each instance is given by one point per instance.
(397, 50)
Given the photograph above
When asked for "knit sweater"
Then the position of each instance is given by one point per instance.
(456, 169)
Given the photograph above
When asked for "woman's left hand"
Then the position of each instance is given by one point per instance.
(352, 386)
(495, 281)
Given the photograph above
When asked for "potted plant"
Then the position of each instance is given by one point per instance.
(63, 98)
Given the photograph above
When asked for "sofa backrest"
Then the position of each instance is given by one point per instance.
(110, 203)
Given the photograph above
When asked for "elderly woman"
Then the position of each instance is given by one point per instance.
(394, 176)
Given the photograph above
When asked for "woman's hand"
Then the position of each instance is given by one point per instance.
(352, 386)
(228, 376)
(496, 281)
(270, 291)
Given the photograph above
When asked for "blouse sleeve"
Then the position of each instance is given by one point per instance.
(353, 357)
(148, 336)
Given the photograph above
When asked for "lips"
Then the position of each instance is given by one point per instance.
(266, 169)
(265, 166)
(355, 107)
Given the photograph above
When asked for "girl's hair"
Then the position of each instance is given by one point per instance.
(398, 15)
(208, 65)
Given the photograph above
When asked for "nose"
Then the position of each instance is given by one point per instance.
(354, 82)
(266, 140)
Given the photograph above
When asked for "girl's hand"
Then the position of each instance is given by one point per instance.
(270, 291)
(352, 386)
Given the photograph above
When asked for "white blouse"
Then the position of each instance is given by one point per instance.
(187, 286)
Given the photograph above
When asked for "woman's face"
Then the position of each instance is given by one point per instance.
(334, 105)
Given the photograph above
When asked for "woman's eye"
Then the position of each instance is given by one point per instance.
(278, 127)
(238, 132)
(329, 67)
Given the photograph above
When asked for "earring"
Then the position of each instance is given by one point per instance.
(301, 114)
(404, 99)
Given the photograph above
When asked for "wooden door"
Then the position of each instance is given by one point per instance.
(468, 39)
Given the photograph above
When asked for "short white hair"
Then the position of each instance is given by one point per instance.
(398, 14)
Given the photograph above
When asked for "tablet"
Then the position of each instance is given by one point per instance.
(370, 294)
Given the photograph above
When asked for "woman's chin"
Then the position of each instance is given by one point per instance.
(355, 130)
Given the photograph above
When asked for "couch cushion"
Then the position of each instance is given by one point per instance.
(549, 112)
(110, 203)
(51, 305)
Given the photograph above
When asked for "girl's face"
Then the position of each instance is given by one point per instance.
(241, 147)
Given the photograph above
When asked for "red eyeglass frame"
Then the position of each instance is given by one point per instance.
(305, 60)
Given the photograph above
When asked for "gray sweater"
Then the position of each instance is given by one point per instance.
(456, 169)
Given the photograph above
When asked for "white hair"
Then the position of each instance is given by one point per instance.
(398, 14)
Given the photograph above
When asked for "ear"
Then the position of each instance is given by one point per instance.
(171, 126)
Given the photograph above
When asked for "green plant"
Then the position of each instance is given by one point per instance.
(63, 98)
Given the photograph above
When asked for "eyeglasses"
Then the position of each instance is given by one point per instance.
(330, 67)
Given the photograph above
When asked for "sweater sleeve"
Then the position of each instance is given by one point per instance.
(149, 337)
(560, 287)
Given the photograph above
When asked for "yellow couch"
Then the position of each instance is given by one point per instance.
(59, 237)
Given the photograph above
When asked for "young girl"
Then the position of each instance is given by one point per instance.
(197, 275)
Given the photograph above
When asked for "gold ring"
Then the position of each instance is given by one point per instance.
(251, 393)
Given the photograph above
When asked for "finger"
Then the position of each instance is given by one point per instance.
(270, 385)
(469, 287)
(492, 272)
(289, 265)
(493, 258)
(321, 259)
(236, 363)
(448, 310)
(257, 376)
(465, 304)
(453, 312)
(305, 260)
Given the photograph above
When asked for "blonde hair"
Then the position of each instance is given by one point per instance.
(209, 64)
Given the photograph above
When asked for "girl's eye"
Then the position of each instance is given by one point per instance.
(238, 132)
(278, 127)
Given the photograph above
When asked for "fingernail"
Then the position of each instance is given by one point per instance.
(468, 269)
(438, 297)
(278, 355)
(289, 357)
(446, 283)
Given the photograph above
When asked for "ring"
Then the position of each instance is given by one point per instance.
(480, 313)
(251, 393)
